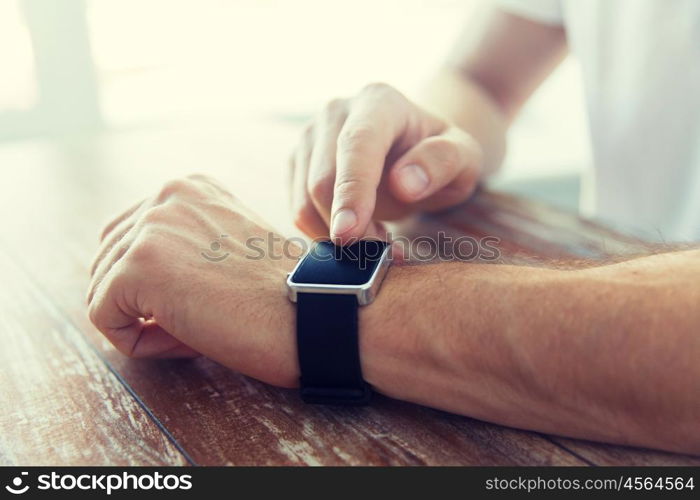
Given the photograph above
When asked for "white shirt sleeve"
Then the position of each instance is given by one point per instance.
(543, 11)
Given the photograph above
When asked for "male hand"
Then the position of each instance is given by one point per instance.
(378, 156)
(160, 287)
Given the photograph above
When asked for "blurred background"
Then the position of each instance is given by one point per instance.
(104, 70)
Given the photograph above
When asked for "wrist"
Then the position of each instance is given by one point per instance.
(272, 357)
(283, 370)
(384, 355)
(286, 372)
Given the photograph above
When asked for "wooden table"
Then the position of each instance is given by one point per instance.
(68, 397)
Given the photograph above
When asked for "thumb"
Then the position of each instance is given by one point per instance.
(452, 159)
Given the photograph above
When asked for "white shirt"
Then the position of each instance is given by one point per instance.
(641, 67)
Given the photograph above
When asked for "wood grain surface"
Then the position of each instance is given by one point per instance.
(60, 402)
(69, 398)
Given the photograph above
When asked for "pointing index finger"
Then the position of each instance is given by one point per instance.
(374, 122)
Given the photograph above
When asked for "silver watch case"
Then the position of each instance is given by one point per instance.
(365, 293)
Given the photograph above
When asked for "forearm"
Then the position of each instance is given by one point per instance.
(494, 68)
(608, 353)
(463, 102)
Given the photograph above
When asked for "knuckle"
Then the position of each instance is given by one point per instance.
(208, 187)
(444, 153)
(102, 293)
(200, 177)
(377, 88)
(203, 179)
(156, 215)
(349, 187)
(106, 230)
(143, 252)
(381, 93)
(335, 107)
(94, 312)
(175, 187)
(355, 139)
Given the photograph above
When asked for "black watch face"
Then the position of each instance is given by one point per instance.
(328, 264)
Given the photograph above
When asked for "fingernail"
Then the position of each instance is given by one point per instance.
(413, 179)
(343, 221)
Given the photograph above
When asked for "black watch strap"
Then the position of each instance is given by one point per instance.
(328, 348)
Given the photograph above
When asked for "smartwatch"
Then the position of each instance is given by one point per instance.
(328, 285)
